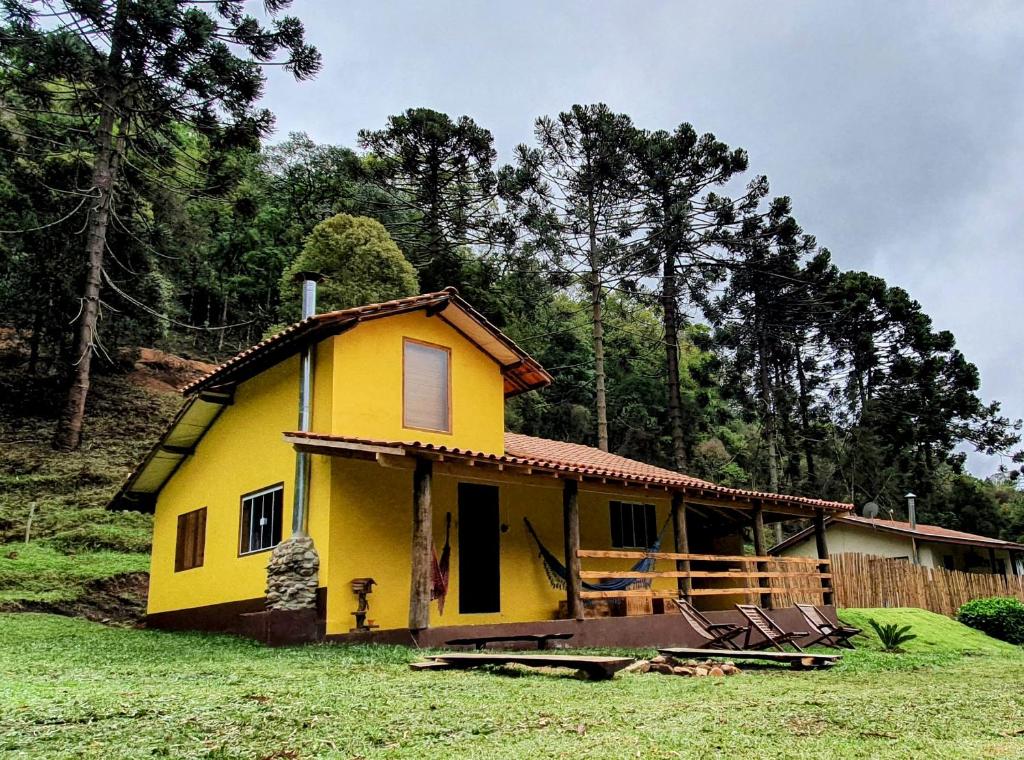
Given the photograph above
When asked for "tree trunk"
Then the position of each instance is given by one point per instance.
(768, 418)
(597, 326)
(68, 435)
(805, 419)
(670, 316)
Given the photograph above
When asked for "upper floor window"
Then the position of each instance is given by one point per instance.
(634, 526)
(190, 549)
(262, 515)
(426, 387)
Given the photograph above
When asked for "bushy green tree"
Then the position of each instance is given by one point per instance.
(358, 258)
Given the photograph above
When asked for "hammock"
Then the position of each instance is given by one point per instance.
(555, 570)
(440, 570)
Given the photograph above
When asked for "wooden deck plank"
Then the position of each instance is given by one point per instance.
(597, 668)
(797, 659)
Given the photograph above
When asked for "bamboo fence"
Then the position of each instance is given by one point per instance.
(860, 580)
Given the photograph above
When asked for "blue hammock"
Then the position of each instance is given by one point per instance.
(555, 570)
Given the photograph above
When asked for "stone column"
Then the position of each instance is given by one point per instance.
(293, 574)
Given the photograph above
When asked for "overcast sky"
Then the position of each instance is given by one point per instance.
(896, 128)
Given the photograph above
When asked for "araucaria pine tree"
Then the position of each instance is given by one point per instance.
(136, 76)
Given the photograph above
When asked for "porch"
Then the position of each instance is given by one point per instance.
(599, 593)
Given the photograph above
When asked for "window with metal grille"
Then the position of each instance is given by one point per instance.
(426, 387)
(634, 526)
(262, 515)
(191, 546)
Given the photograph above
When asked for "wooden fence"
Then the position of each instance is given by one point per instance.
(860, 580)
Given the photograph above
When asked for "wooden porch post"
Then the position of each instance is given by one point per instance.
(571, 533)
(821, 541)
(422, 559)
(759, 551)
(681, 542)
(992, 560)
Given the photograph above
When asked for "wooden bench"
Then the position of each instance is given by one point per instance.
(596, 668)
(540, 639)
(795, 659)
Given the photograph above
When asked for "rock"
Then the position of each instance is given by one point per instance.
(293, 575)
(661, 667)
(691, 663)
(716, 671)
(640, 666)
(698, 671)
(730, 670)
(659, 659)
(683, 671)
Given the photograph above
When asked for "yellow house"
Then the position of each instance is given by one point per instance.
(400, 470)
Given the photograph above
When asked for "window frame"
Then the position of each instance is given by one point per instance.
(241, 517)
(650, 523)
(179, 558)
(448, 390)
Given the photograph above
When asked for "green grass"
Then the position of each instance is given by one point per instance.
(74, 689)
(70, 490)
(39, 573)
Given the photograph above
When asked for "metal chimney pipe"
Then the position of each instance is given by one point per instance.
(912, 510)
(300, 510)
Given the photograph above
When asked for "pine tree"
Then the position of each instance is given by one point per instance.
(135, 73)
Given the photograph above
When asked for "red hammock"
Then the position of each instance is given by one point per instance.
(440, 570)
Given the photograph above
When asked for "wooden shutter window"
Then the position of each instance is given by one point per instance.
(426, 387)
(190, 550)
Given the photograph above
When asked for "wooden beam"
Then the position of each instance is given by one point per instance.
(571, 533)
(744, 558)
(760, 551)
(737, 574)
(671, 594)
(681, 541)
(992, 560)
(422, 546)
(822, 545)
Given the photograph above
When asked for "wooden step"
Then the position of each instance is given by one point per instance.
(796, 659)
(596, 668)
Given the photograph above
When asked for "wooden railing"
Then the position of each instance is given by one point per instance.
(789, 578)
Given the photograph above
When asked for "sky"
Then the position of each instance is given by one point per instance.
(896, 128)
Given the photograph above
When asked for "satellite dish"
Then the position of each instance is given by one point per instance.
(870, 510)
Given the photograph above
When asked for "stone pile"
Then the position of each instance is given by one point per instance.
(292, 575)
(670, 666)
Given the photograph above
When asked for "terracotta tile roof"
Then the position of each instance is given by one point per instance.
(525, 374)
(924, 532)
(933, 532)
(559, 456)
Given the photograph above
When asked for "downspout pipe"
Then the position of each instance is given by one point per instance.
(300, 510)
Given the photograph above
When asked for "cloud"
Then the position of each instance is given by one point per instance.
(897, 128)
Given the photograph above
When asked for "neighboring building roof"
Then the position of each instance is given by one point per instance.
(558, 457)
(520, 371)
(930, 533)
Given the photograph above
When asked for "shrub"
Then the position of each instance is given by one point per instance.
(892, 635)
(998, 616)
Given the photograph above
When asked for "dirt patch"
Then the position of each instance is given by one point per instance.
(160, 372)
(118, 600)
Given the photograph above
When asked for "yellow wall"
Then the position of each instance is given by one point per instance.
(242, 452)
(371, 536)
(368, 385)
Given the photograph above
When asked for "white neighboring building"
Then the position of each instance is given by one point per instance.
(935, 546)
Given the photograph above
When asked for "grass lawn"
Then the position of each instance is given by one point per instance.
(36, 572)
(70, 688)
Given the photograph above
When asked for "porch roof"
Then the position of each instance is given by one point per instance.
(558, 458)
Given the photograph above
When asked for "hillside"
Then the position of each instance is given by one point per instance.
(82, 559)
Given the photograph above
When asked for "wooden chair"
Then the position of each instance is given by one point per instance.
(714, 634)
(831, 635)
(774, 636)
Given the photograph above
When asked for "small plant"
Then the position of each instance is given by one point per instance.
(998, 616)
(891, 635)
